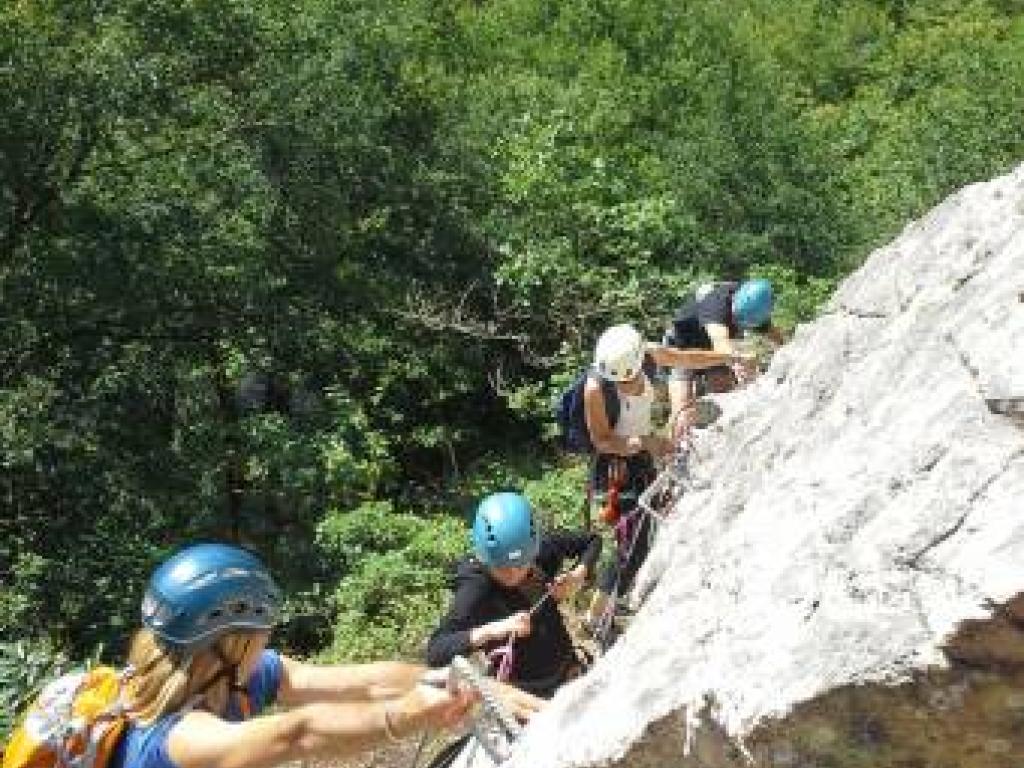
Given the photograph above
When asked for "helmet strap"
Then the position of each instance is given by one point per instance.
(229, 670)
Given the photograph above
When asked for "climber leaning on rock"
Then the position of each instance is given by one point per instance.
(625, 446)
(506, 596)
(718, 314)
(201, 672)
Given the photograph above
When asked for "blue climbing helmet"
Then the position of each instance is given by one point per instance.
(752, 303)
(505, 532)
(206, 591)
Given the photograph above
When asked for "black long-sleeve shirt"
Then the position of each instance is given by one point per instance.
(541, 657)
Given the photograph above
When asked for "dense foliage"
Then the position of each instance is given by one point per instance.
(286, 271)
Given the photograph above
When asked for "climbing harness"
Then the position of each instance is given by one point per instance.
(626, 530)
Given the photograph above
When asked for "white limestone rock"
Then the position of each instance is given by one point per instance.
(851, 507)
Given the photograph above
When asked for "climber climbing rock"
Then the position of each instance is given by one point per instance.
(201, 672)
(506, 596)
(627, 446)
(714, 318)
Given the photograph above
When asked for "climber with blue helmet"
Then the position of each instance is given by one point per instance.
(506, 594)
(715, 318)
(199, 670)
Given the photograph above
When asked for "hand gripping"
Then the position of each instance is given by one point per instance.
(493, 726)
(659, 498)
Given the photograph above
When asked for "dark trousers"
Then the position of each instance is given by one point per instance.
(632, 531)
(633, 535)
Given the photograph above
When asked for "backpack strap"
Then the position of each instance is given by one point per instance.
(612, 406)
(236, 690)
(649, 367)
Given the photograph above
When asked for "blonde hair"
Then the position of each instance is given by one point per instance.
(165, 680)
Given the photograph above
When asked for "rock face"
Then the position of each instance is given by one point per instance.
(844, 584)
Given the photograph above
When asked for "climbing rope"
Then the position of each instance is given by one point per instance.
(493, 728)
(502, 659)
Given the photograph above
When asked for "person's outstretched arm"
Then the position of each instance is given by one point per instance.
(719, 335)
(381, 680)
(326, 729)
(671, 357)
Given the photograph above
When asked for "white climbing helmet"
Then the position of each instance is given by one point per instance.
(619, 353)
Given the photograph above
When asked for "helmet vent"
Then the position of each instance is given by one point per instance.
(203, 580)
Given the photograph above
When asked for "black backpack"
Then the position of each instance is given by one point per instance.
(570, 412)
(686, 331)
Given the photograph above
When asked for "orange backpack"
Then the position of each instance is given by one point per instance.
(75, 722)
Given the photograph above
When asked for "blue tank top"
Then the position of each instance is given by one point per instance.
(146, 746)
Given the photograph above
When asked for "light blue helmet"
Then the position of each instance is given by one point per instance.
(505, 532)
(206, 591)
(752, 303)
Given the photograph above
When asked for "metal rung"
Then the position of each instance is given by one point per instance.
(659, 498)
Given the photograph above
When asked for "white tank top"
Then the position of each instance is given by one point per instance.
(635, 412)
